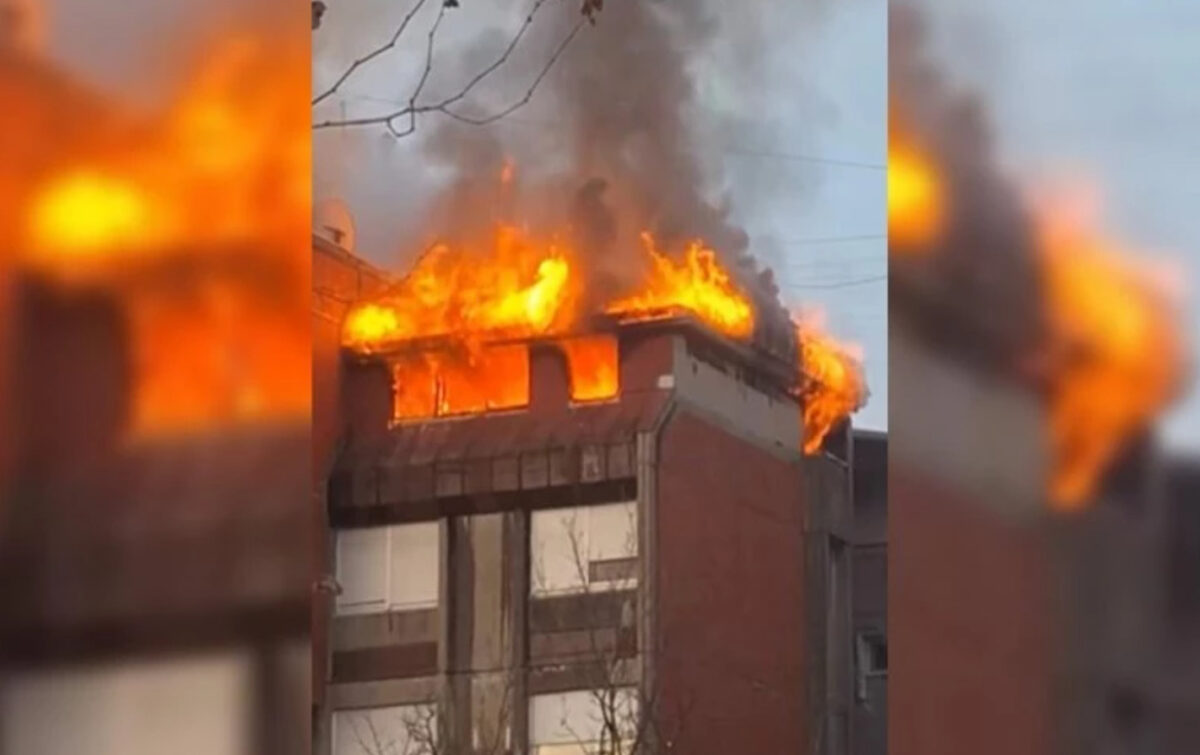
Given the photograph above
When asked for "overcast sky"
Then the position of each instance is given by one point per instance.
(1106, 89)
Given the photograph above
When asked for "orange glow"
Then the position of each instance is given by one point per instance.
(435, 384)
(231, 359)
(228, 162)
(85, 213)
(592, 364)
(916, 197)
(697, 284)
(1118, 355)
(415, 387)
(194, 218)
(832, 382)
(518, 287)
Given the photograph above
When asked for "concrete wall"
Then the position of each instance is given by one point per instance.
(719, 390)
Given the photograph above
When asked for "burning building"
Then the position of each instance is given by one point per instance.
(556, 523)
(150, 500)
(1031, 509)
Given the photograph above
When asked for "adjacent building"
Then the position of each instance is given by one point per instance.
(869, 566)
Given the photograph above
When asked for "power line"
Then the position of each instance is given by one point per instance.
(772, 154)
(842, 284)
(727, 149)
(830, 239)
(833, 262)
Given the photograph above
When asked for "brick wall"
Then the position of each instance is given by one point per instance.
(970, 616)
(729, 593)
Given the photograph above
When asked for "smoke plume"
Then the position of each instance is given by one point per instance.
(982, 275)
(609, 147)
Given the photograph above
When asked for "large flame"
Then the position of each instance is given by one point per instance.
(1118, 354)
(519, 287)
(227, 162)
(697, 284)
(442, 321)
(832, 383)
(1113, 349)
(194, 219)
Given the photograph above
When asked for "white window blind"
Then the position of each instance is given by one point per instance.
(570, 548)
(394, 567)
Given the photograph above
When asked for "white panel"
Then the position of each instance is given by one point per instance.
(362, 568)
(414, 565)
(564, 721)
(555, 565)
(392, 730)
(195, 706)
(612, 531)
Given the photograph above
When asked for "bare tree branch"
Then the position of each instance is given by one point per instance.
(371, 55)
(411, 109)
(500, 60)
(528, 92)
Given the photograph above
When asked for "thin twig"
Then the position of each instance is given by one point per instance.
(498, 61)
(411, 109)
(371, 55)
(412, 101)
(528, 93)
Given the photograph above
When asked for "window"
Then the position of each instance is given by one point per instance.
(394, 730)
(388, 568)
(573, 723)
(185, 705)
(432, 384)
(871, 659)
(583, 549)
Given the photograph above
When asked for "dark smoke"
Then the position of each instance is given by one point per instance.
(615, 150)
(978, 290)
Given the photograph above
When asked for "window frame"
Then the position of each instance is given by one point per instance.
(385, 604)
(366, 711)
(589, 585)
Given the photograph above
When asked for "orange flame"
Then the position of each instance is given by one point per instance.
(441, 384)
(227, 163)
(916, 197)
(1119, 359)
(593, 366)
(1114, 352)
(518, 288)
(697, 284)
(210, 197)
(463, 299)
(832, 386)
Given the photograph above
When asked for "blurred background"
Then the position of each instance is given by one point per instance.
(154, 379)
(1044, 580)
